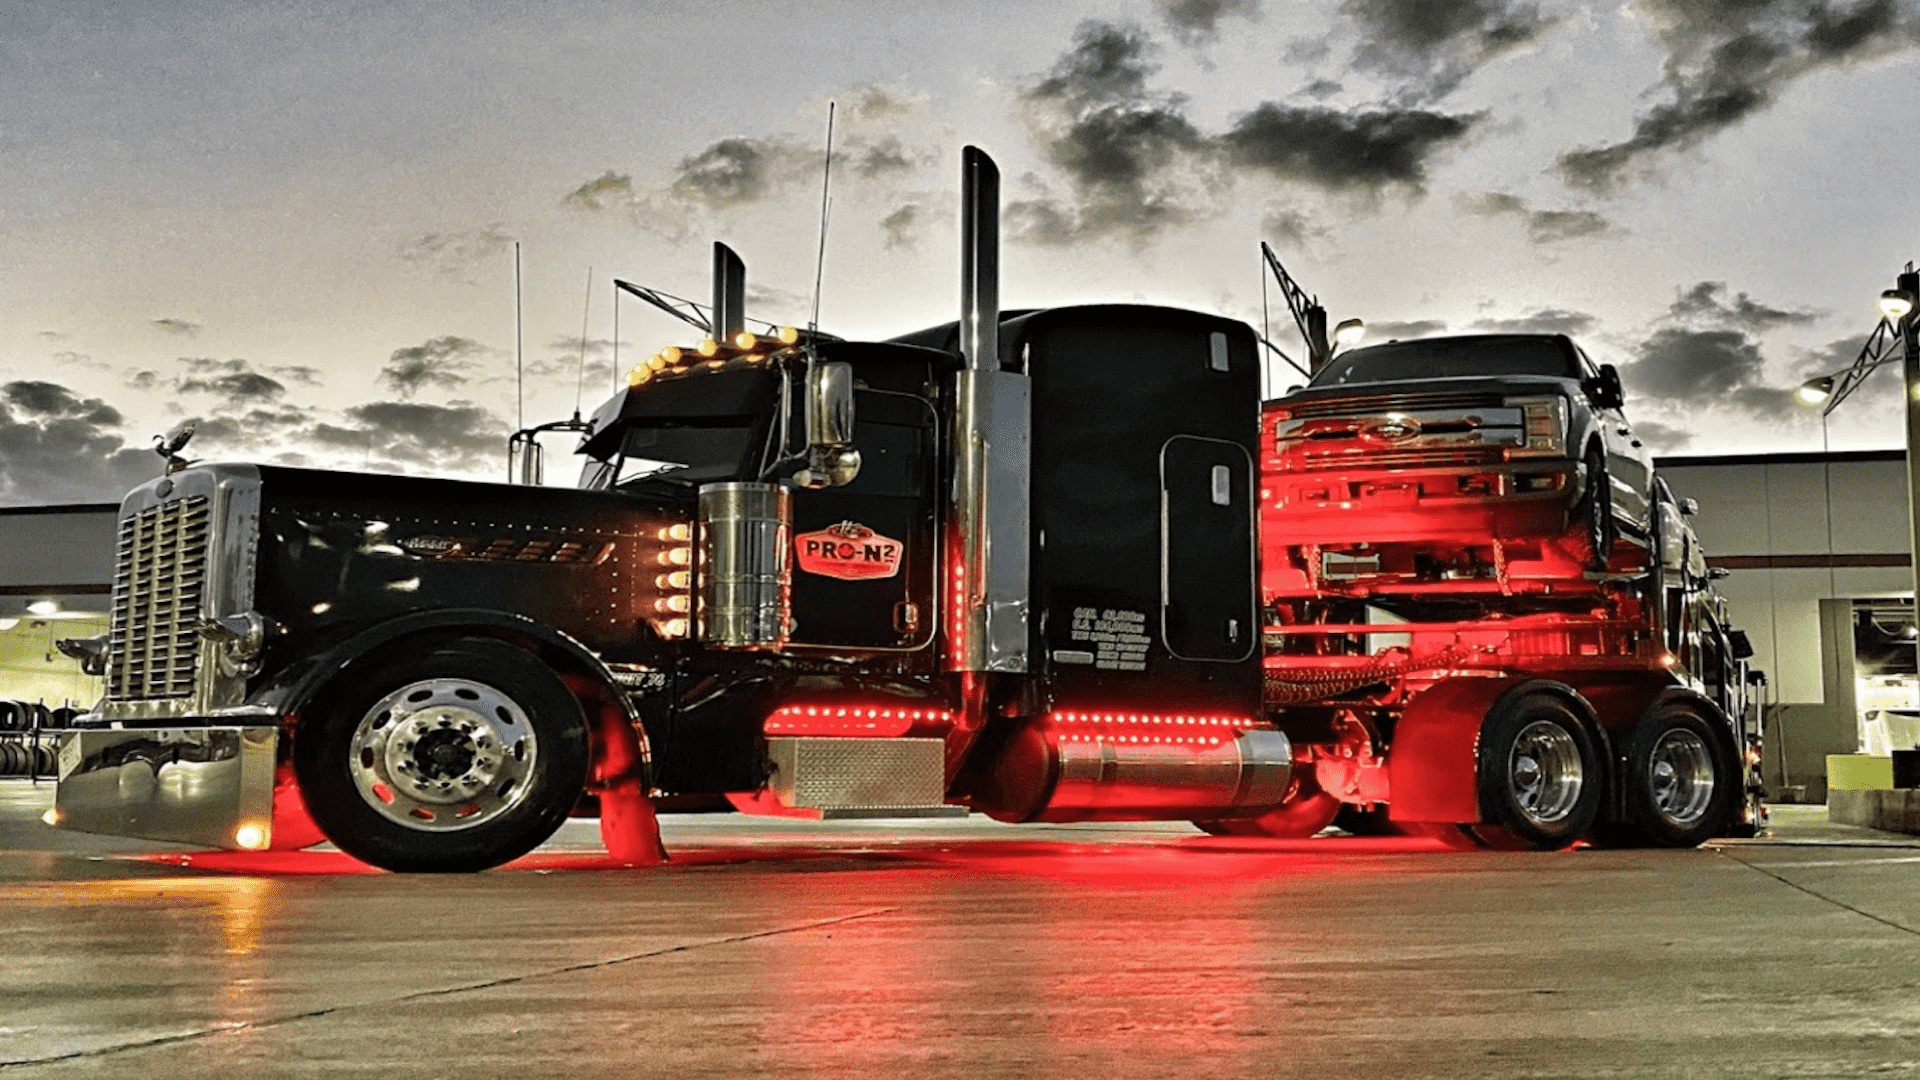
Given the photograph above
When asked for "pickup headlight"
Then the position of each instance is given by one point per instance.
(1544, 420)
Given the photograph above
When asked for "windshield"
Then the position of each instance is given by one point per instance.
(684, 454)
(1446, 358)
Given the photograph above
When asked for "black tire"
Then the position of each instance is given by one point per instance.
(1596, 509)
(1540, 773)
(454, 760)
(1682, 783)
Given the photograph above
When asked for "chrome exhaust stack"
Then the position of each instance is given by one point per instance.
(987, 591)
(729, 294)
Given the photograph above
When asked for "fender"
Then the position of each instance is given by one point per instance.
(622, 756)
(1433, 767)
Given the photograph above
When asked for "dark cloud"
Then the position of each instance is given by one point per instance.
(881, 158)
(739, 171)
(1345, 151)
(1380, 332)
(298, 373)
(1696, 368)
(1433, 45)
(1708, 354)
(1129, 155)
(1292, 228)
(1729, 59)
(1195, 21)
(1543, 226)
(176, 327)
(902, 228)
(1708, 302)
(405, 436)
(236, 388)
(1663, 438)
(456, 253)
(234, 382)
(1320, 89)
(872, 103)
(59, 447)
(609, 190)
(443, 362)
(1543, 321)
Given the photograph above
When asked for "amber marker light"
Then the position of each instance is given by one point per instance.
(678, 579)
(51, 817)
(788, 335)
(251, 836)
(745, 339)
(708, 347)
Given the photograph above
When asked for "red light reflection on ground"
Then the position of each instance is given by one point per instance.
(1163, 862)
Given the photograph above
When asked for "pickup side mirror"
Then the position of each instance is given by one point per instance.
(832, 459)
(1689, 506)
(1604, 390)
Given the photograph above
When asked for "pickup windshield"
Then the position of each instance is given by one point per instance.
(1445, 358)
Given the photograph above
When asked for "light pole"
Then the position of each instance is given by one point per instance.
(1900, 325)
(1897, 305)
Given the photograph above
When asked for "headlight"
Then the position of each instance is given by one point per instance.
(1544, 420)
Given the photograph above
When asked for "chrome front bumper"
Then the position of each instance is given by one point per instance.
(208, 786)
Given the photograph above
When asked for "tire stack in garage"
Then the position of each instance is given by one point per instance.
(27, 741)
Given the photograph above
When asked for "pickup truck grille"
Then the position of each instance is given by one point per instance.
(1380, 404)
(158, 585)
(1375, 458)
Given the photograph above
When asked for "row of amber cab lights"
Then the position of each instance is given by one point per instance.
(674, 581)
(744, 349)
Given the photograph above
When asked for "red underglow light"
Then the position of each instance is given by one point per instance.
(855, 721)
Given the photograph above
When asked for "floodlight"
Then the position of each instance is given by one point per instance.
(1896, 304)
(1816, 391)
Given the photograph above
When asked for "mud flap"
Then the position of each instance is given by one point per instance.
(1433, 767)
(628, 826)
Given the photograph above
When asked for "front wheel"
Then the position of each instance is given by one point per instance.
(453, 760)
(1539, 774)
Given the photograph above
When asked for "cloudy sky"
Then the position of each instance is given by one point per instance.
(296, 222)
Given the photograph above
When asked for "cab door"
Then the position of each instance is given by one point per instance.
(863, 553)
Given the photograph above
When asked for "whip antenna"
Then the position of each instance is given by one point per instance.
(519, 348)
(826, 190)
(580, 375)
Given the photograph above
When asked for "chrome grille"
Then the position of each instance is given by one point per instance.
(1364, 404)
(1412, 458)
(158, 587)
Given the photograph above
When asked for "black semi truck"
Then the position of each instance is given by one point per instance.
(1007, 565)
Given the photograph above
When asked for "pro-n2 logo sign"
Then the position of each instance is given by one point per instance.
(849, 551)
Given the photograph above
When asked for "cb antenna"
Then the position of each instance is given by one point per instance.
(519, 348)
(580, 374)
(826, 191)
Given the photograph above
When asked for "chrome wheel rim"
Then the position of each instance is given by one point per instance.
(1544, 772)
(1680, 778)
(443, 754)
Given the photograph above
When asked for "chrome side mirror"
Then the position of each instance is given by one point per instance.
(832, 459)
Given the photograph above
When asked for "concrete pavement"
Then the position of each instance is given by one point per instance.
(965, 949)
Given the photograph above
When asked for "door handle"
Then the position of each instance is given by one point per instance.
(1624, 429)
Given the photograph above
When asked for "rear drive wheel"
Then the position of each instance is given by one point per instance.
(1682, 784)
(458, 759)
(1540, 777)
